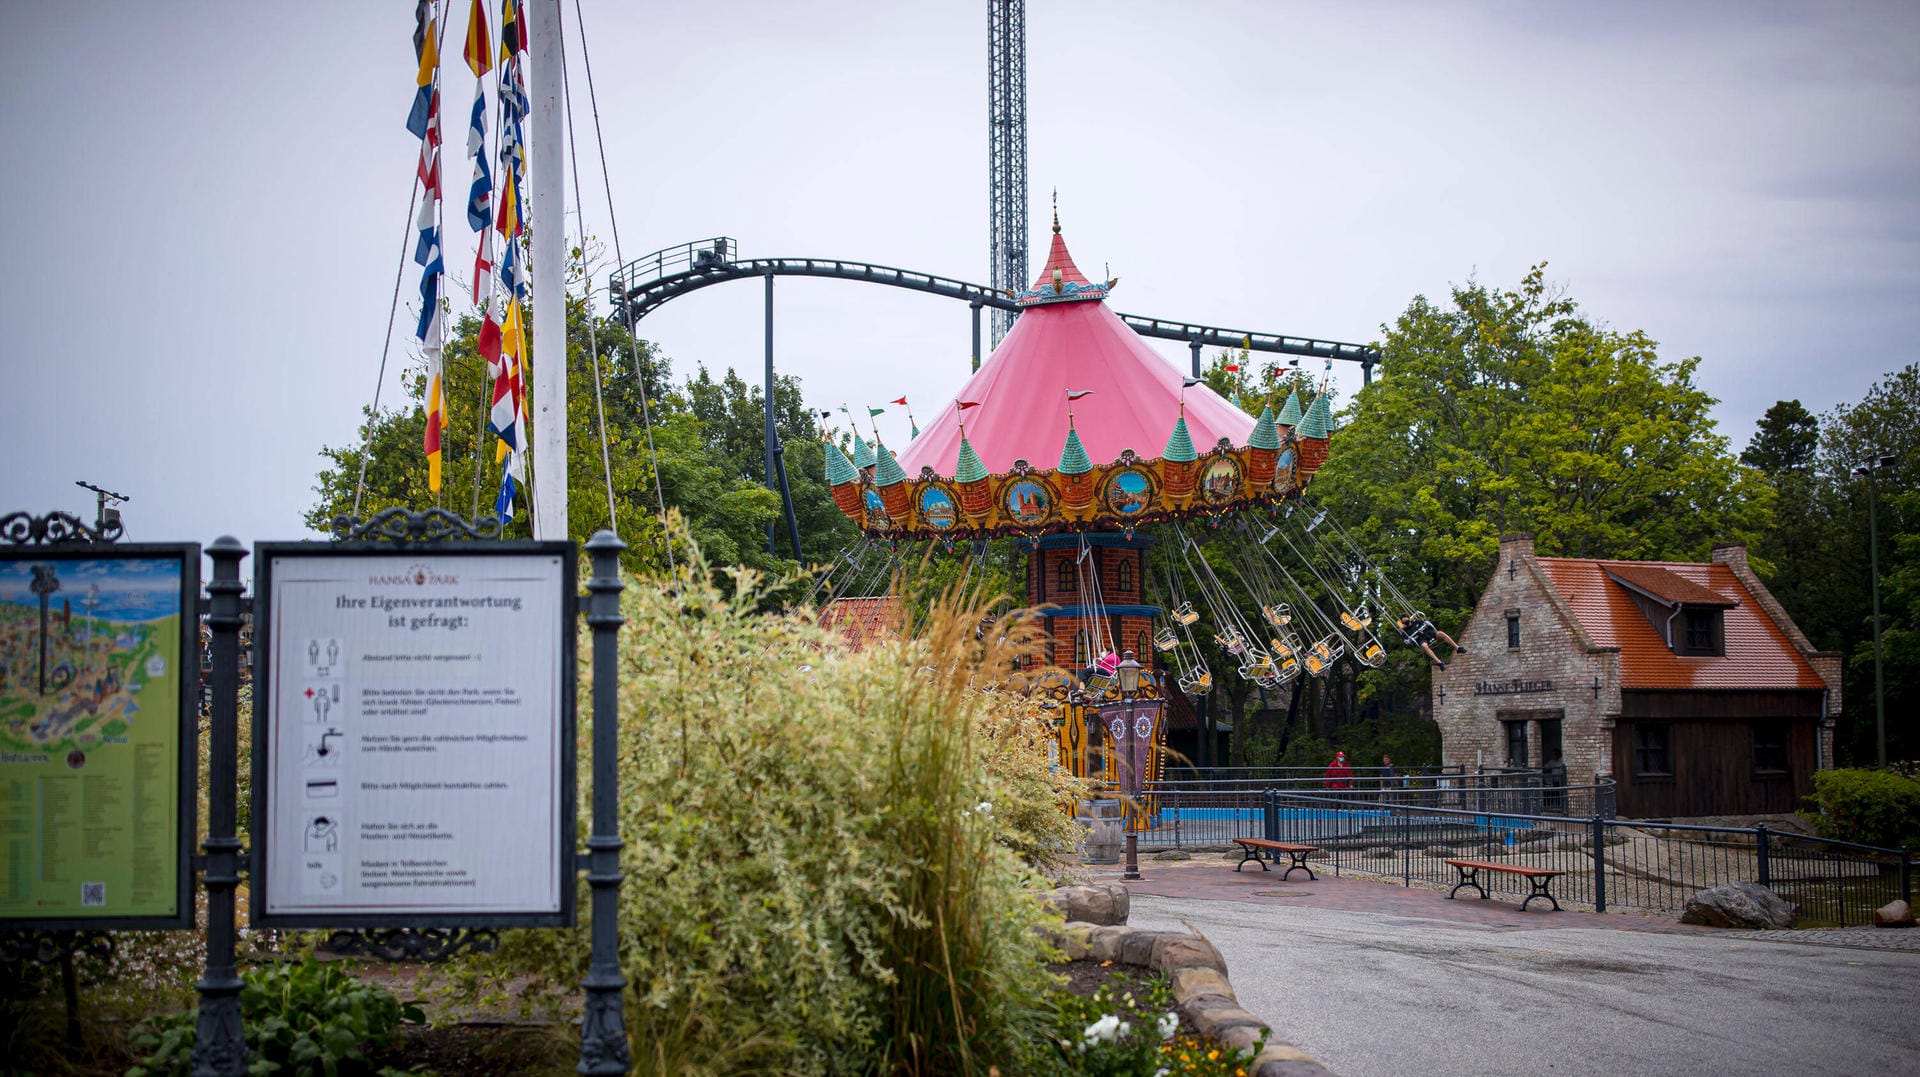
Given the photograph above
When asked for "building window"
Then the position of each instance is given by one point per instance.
(1769, 748)
(1082, 653)
(1700, 632)
(1064, 582)
(1513, 630)
(1141, 650)
(1516, 743)
(1123, 578)
(1651, 758)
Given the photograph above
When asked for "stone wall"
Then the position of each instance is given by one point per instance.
(1474, 693)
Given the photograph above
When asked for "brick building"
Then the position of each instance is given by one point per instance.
(1688, 683)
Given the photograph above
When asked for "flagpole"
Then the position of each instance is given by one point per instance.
(548, 213)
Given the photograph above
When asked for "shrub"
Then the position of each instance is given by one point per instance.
(304, 1018)
(1871, 807)
(1126, 1029)
(830, 853)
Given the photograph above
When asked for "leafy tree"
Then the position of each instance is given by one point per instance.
(1833, 584)
(1786, 440)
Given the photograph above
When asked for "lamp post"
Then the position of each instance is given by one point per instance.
(1128, 673)
(1877, 463)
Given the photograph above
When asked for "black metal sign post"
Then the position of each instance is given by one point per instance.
(603, 1032)
(219, 1048)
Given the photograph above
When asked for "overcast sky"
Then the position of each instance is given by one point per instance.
(205, 202)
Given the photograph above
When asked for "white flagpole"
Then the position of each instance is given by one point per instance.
(546, 163)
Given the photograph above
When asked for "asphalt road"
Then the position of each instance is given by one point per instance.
(1370, 993)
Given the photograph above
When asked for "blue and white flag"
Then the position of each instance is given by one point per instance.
(480, 195)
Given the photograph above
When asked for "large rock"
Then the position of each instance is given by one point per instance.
(1893, 914)
(1739, 905)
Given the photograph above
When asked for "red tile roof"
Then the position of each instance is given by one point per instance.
(862, 620)
(1666, 586)
(1759, 655)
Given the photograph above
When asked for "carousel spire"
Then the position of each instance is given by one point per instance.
(1073, 457)
(1290, 411)
(1318, 421)
(1180, 444)
(839, 468)
(969, 468)
(1264, 435)
(863, 457)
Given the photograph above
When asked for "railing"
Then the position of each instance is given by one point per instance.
(1513, 792)
(697, 254)
(1608, 863)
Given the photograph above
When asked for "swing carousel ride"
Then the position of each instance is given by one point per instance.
(1018, 454)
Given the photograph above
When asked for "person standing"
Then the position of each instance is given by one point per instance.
(1389, 777)
(1339, 774)
(1554, 777)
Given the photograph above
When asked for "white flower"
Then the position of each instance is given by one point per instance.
(1108, 1029)
(1169, 1024)
(985, 807)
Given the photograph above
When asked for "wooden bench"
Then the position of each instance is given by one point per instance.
(1250, 850)
(1538, 878)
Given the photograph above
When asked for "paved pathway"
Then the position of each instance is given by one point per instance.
(1373, 978)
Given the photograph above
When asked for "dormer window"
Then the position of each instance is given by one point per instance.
(1702, 632)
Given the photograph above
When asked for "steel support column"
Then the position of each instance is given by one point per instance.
(769, 434)
(1194, 346)
(219, 1048)
(976, 333)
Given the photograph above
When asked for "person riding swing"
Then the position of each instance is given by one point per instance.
(1420, 633)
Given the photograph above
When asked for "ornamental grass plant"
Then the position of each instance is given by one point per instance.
(832, 854)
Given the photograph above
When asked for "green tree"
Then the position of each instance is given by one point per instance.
(1510, 410)
(1786, 440)
(1839, 615)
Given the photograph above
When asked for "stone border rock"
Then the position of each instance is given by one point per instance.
(1200, 988)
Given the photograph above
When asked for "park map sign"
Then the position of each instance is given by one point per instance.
(97, 690)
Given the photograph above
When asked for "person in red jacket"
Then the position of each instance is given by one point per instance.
(1339, 774)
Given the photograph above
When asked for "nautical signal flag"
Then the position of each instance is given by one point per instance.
(513, 30)
(479, 51)
(480, 194)
(428, 49)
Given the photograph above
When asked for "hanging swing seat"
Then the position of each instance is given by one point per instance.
(1233, 642)
(1354, 622)
(1165, 640)
(1197, 682)
(1369, 653)
(1184, 613)
(1279, 615)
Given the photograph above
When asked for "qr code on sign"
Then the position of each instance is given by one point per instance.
(93, 894)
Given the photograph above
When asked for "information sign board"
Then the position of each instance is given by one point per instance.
(414, 735)
(99, 686)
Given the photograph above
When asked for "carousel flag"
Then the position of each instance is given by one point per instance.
(963, 405)
(871, 412)
(901, 401)
(479, 51)
(1075, 394)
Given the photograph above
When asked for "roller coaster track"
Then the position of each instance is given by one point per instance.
(646, 284)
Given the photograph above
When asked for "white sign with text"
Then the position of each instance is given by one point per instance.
(414, 734)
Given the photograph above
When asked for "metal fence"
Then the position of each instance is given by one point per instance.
(1608, 863)
(1217, 809)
